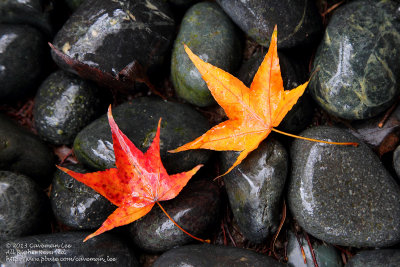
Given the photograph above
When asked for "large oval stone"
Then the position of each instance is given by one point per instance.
(75, 204)
(23, 152)
(343, 194)
(298, 22)
(67, 249)
(138, 120)
(357, 61)
(254, 188)
(372, 258)
(211, 35)
(23, 207)
(195, 209)
(211, 255)
(65, 104)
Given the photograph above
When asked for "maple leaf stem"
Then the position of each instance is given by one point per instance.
(192, 236)
(316, 140)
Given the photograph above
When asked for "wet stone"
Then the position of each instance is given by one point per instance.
(76, 205)
(372, 258)
(342, 194)
(299, 23)
(211, 35)
(23, 207)
(73, 4)
(23, 152)
(110, 35)
(293, 75)
(255, 187)
(138, 120)
(396, 161)
(103, 250)
(358, 59)
(196, 209)
(22, 53)
(325, 255)
(211, 255)
(64, 105)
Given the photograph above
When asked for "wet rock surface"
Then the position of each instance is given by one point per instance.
(210, 255)
(298, 21)
(211, 35)
(104, 250)
(76, 205)
(196, 209)
(23, 207)
(65, 104)
(396, 161)
(370, 258)
(138, 120)
(23, 152)
(357, 60)
(341, 194)
(254, 189)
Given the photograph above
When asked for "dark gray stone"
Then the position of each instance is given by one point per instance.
(73, 4)
(214, 256)
(299, 23)
(76, 205)
(23, 206)
(196, 209)
(23, 152)
(210, 34)
(254, 188)
(342, 194)
(67, 250)
(372, 258)
(357, 61)
(396, 161)
(64, 105)
(22, 50)
(138, 120)
(325, 255)
(110, 35)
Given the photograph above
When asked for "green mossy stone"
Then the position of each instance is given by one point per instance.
(211, 35)
(358, 60)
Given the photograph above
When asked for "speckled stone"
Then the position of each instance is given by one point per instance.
(372, 258)
(293, 75)
(299, 23)
(342, 194)
(396, 161)
(23, 207)
(23, 152)
(196, 209)
(254, 189)
(325, 255)
(103, 250)
(76, 205)
(64, 105)
(110, 35)
(213, 256)
(209, 33)
(358, 59)
(22, 50)
(138, 120)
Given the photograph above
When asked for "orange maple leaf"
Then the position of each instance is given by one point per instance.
(252, 112)
(139, 181)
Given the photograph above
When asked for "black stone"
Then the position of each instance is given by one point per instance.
(213, 256)
(23, 207)
(210, 34)
(22, 53)
(138, 120)
(196, 209)
(342, 194)
(357, 61)
(67, 250)
(254, 189)
(73, 4)
(299, 23)
(23, 152)
(64, 105)
(372, 258)
(76, 205)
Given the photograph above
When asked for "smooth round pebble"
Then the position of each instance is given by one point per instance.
(373, 258)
